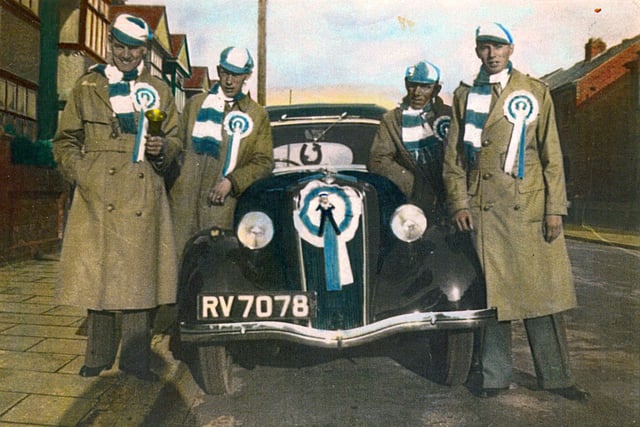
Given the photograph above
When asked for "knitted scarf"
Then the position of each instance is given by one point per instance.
(416, 132)
(207, 129)
(120, 85)
(478, 106)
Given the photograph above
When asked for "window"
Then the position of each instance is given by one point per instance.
(31, 5)
(11, 96)
(21, 100)
(18, 108)
(96, 27)
(3, 94)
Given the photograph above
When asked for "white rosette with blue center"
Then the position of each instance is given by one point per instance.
(328, 216)
(237, 125)
(441, 127)
(145, 97)
(520, 108)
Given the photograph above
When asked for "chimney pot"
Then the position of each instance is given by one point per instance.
(593, 48)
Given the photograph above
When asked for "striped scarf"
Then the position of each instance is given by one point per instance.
(207, 129)
(417, 132)
(120, 85)
(478, 108)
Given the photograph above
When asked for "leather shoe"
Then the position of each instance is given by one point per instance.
(572, 393)
(86, 371)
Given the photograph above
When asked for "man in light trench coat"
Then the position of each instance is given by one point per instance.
(118, 253)
(505, 184)
(227, 146)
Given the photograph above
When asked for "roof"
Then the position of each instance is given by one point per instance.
(177, 40)
(198, 76)
(283, 112)
(580, 69)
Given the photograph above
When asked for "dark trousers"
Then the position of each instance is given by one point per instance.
(103, 339)
(548, 343)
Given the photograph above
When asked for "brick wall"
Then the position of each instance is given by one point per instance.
(600, 137)
(32, 202)
(606, 74)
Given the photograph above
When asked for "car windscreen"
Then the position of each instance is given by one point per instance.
(301, 144)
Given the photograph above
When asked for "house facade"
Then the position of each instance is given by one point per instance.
(52, 43)
(597, 103)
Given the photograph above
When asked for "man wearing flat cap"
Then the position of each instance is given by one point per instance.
(227, 146)
(505, 185)
(409, 144)
(118, 254)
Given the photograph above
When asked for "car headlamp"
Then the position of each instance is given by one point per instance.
(408, 223)
(255, 230)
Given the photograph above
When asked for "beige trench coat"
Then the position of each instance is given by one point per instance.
(200, 172)
(118, 249)
(526, 276)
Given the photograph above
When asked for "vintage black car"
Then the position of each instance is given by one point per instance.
(327, 255)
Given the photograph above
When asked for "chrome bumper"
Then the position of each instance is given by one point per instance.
(241, 331)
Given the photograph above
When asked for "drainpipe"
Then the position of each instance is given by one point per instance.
(47, 106)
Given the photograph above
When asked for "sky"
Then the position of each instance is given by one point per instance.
(313, 45)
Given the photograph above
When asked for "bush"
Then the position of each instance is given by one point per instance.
(26, 152)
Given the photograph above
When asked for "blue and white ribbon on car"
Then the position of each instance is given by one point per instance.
(238, 125)
(328, 216)
(520, 108)
(145, 97)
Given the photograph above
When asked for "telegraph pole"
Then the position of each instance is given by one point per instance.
(262, 52)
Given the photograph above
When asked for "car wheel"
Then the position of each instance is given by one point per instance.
(214, 369)
(449, 356)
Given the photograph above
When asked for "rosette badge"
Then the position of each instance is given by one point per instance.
(155, 118)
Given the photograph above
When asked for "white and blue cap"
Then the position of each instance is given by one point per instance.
(493, 32)
(236, 60)
(131, 30)
(423, 72)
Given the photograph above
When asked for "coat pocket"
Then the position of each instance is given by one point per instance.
(533, 179)
(97, 127)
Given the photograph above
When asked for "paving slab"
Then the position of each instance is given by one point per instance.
(49, 410)
(40, 362)
(44, 331)
(40, 319)
(55, 384)
(8, 400)
(11, 343)
(21, 307)
(59, 346)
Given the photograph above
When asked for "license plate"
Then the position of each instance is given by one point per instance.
(233, 306)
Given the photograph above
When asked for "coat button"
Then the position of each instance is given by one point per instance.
(138, 213)
(110, 207)
(487, 175)
(141, 175)
(485, 143)
(112, 171)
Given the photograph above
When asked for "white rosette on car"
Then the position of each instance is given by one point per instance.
(328, 216)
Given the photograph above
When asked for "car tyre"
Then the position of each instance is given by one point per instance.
(214, 365)
(449, 356)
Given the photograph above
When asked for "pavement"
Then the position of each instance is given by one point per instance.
(42, 348)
